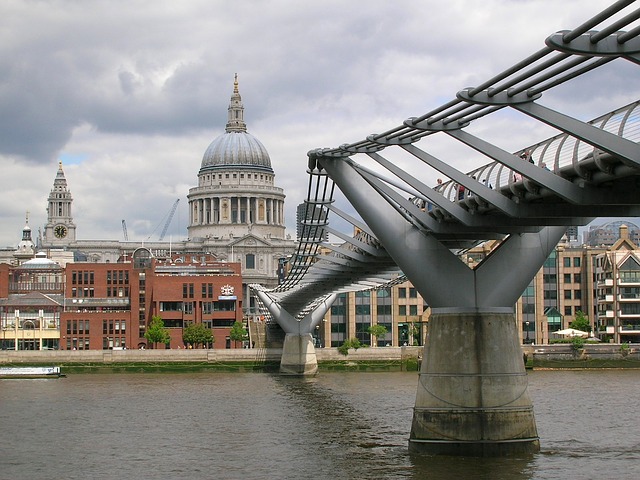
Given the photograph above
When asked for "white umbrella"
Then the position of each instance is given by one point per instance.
(572, 332)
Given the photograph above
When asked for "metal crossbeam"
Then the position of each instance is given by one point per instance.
(590, 169)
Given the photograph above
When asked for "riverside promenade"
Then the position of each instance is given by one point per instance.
(254, 358)
(379, 358)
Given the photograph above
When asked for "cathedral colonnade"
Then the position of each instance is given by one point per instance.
(216, 210)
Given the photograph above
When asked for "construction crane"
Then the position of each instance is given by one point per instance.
(124, 231)
(169, 218)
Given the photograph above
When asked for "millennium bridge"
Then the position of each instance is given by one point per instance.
(472, 392)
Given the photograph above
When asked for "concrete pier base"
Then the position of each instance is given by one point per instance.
(472, 397)
(298, 355)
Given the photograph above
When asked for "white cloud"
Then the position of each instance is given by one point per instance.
(129, 94)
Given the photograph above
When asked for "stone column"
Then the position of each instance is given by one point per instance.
(472, 397)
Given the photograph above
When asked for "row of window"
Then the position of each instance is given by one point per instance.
(75, 327)
(109, 327)
(235, 175)
(402, 292)
(87, 277)
(207, 289)
(117, 277)
(86, 292)
(109, 343)
(568, 260)
(82, 277)
(206, 307)
(575, 294)
(77, 343)
(81, 327)
(179, 323)
(121, 292)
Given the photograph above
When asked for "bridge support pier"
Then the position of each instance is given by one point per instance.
(298, 353)
(472, 395)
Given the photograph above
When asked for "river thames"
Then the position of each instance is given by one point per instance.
(261, 426)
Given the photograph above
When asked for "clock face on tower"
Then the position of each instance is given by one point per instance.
(60, 231)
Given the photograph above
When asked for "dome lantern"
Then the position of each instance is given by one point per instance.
(236, 148)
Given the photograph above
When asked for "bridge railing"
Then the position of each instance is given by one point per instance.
(580, 155)
(561, 154)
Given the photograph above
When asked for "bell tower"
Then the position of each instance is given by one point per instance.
(60, 229)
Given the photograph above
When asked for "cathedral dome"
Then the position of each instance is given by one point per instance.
(236, 148)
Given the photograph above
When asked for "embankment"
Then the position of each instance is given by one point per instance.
(363, 359)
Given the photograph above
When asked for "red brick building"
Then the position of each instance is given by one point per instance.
(109, 305)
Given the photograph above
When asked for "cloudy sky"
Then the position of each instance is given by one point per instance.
(129, 94)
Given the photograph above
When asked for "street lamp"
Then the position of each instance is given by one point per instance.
(527, 330)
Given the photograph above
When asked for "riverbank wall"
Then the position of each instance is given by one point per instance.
(383, 358)
(363, 359)
(590, 355)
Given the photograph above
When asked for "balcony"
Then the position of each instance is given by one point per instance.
(630, 328)
(97, 304)
(43, 287)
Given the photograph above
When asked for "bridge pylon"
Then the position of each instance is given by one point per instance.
(298, 352)
(472, 395)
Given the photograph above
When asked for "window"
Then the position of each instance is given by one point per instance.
(567, 294)
(577, 278)
(413, 310)
(567, 310)
(338, 310)
(250, 261)
(576, 261)
(577, 294)
(402, 310)
(567, 278)
(567, 262)
(402, 292)
(187, 290)
(413, 293)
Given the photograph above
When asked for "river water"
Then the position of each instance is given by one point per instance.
(261, 426)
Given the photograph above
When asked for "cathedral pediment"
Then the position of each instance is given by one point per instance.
(250, 240)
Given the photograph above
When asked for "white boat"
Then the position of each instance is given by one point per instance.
(30, 372)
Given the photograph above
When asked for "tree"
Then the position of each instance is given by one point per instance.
(377, 331)
(581, 322)
(156, 333)
(197, 334)
(238, 333)
(350, 343)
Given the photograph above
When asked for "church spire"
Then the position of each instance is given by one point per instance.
(60, 182)
(235, 120)
(60, 228)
